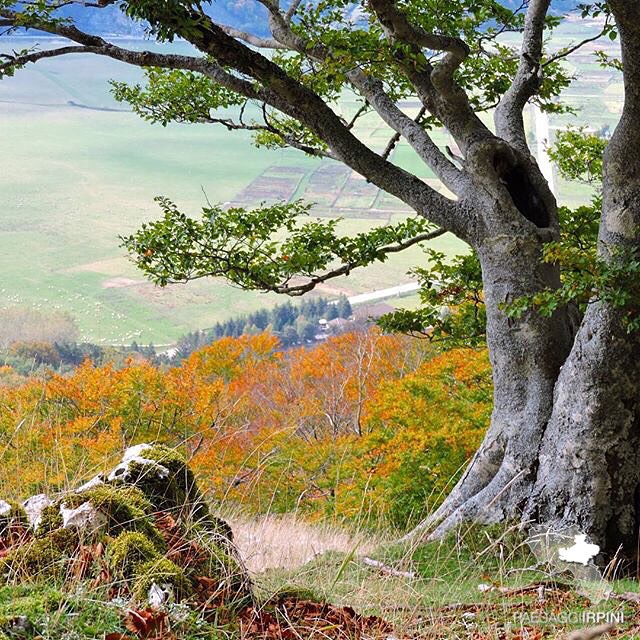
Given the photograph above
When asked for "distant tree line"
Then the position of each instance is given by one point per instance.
(292, 324)
(29, 358)
(33, 341)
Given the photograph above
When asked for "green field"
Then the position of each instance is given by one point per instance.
(75, 178)
(78, 169)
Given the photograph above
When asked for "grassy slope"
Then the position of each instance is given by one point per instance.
(443, 599)
(74, 179)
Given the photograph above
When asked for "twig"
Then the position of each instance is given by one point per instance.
(390, 571)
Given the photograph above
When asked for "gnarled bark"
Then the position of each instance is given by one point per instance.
(589, 463)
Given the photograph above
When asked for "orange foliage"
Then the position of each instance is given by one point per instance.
(343, 429)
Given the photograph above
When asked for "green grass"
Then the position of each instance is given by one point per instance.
(477, 582)
(51, 613)
(443, 598)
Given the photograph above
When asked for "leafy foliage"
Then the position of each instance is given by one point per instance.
(175, 96)
(578, 154)
(338, 430)
(452, 308)
(265, 248)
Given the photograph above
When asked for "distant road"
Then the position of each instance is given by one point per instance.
(543, 138)
(381, 294)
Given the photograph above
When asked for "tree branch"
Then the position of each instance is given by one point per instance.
(256, 41)
(372, 89)
(288, 16)
(412, 131)
(308, 108)
(401, 29)
(345, 269)
(295, 290)
(435, 83)
(18, 61)
(508, 117)
(572, 49)
(395, 138)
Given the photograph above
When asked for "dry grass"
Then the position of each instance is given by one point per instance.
(287, 542)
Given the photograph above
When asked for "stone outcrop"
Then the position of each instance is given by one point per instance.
(144, 527)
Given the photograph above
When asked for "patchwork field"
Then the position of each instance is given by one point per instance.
(78, 170)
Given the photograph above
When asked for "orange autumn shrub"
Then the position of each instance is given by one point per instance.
(361, 427)
(424, 428)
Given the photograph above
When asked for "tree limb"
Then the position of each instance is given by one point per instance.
(508, 117)
(401, 29)
(18, 61)
(345, 269)
(572, 49)
(268, 83)
(249, 38)
(435, 83)
(412, 131)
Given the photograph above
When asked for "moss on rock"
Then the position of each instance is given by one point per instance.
(125, 507)
(149, 507)
(51, 519)
(129, 550)
(41, 558)
(165, 478)
(12, 514)
(163, 573)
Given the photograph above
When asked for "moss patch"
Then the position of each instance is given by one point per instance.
(128, 551)
(178, 491)
(41, 558)
(17, 516)
(51, 519)
(157, 529)
(125, 507)
(160, 571)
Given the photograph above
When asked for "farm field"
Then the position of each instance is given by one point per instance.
(78, 170)
(74, 178)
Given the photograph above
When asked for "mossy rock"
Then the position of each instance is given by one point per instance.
(166, 480)
(161, 572)
(11, 514)
(50, 520)
(126, 509)
(130, 510)
(41, 558)
(128, 551)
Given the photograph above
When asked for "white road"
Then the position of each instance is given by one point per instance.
(543, 139)
(381, 294)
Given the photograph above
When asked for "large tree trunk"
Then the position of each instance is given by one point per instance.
(589, 473)
(589, 463)
(563, 449)
(526, 356)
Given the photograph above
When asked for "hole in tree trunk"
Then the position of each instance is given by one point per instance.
(522, 191)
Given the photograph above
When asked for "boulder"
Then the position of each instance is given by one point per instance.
(145, 527)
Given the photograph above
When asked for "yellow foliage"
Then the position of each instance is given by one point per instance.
(362, 426)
